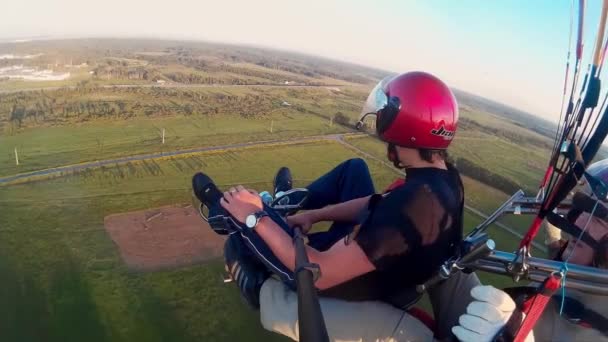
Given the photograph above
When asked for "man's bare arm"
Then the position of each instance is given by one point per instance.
(341, 212)
(331, 262)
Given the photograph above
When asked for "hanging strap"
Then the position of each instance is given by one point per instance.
(577, 313)
(534, 306)
(531, 302)
(570, 228)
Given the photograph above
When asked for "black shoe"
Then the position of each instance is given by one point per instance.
(283, 180)
(245, 270)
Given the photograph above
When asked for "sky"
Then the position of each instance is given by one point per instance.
(513, 51)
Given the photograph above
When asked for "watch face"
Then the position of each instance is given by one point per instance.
(250, 221)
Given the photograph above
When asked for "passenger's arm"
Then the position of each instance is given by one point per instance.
(553, 239)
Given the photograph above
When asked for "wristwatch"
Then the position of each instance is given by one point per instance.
(252, 220)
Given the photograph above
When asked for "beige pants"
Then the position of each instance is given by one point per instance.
(367, 321)
(345, 321)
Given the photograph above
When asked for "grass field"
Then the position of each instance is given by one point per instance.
(45, 147)
(63, 277)
(64, 270)
(59, 140)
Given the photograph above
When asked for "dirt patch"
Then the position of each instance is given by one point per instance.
(163, 238)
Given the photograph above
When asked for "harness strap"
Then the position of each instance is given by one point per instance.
(534, 307)
(570, 228)
(584, 202)
(577, 313)
(534, 228)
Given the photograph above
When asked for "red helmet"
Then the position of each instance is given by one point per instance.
(415, 110)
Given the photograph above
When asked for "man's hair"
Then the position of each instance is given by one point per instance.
(427, 154)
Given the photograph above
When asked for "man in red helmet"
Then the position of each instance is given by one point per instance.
(394, 240)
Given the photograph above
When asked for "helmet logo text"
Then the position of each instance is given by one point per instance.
(442, 132)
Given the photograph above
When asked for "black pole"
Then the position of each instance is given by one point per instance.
(311, 323)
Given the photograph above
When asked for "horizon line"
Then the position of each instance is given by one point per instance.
(27, 39)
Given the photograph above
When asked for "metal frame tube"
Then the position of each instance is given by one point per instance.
(584, 278)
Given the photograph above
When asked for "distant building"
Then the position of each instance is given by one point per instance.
(31, 74)
(11, 56)
(286, 82)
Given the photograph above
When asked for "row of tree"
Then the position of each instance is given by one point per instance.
(75, 105)
(507, 134)
(488, 177)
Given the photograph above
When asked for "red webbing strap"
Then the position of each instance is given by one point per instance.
(537, 304)
(546, 177)
(527, 240)
(533, 230)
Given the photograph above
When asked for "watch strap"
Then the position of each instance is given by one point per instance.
(260, 214)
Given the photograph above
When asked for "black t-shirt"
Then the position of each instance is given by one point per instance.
(407, 234)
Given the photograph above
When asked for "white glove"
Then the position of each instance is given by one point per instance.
(486, 315)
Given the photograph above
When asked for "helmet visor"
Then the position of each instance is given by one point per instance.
(376, 101)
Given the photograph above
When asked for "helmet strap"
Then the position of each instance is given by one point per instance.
(393, 156)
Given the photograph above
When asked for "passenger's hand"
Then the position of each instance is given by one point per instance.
(486, 315)
(240, 202)
(304, 221)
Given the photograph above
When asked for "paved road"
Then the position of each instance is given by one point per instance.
(83, 166)
(177, 85)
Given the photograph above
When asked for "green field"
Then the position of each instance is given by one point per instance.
(63, 269)
(41, 148)
(64, 275)
(56, 139)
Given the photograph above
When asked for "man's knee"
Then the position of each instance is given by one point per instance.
(357, 163)
(357, 166)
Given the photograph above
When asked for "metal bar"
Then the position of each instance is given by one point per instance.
(584, 278)
(531, 205)
(495, 215)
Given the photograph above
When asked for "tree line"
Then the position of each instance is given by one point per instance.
(488, 177)
(65, 106)
(508, 134)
